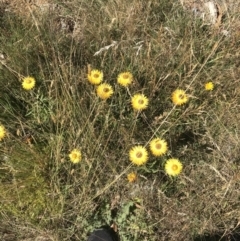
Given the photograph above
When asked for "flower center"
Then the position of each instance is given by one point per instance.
(96, 76)
(29, 81)
(140, 102)
(106, 90)
(125, 76)
(74, 156)
(174, 167)
(158, 146)
(139, 154)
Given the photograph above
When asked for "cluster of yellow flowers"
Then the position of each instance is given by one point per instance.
(139, 101)
(105, 91)
(95, 77)
(138, 154)
(158, 147)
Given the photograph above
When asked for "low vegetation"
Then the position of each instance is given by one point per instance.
(75, 155)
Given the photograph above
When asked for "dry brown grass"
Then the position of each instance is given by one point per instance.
(165, 47)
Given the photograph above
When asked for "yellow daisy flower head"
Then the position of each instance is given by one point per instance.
(95, 76)
(209, 86)
(75, 156)
(158, 147)
(125, 79)
(179, 97)
(28, 83)
(173, 167)
(132, 177)
(2, 132)
(139, 102)
(138, 155)
(104, 91)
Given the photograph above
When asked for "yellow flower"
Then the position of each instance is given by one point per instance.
(95, 76)
(104, 91)
(2, 132)
(75, 156)
(139, 102)
(158, 147)
(179, 97)
(132, 177)
(209, 86)
(125, 78)
(138, 155)
(173, 167)
(28, 83)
